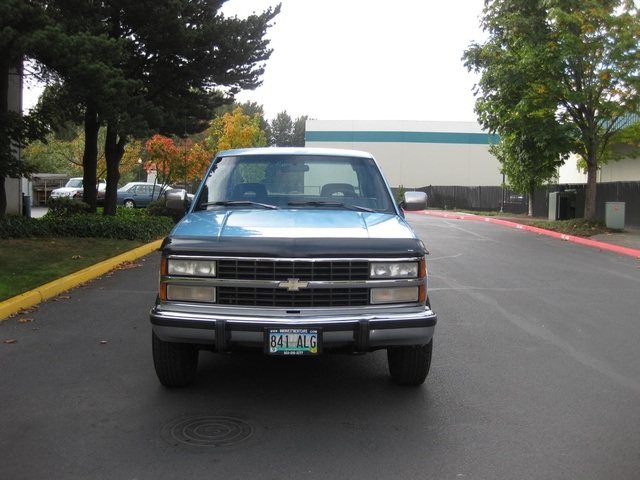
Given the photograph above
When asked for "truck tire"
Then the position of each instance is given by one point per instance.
(176, 364)
(409, 365)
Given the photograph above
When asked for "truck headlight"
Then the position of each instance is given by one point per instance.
(394, 270)
(191, 267)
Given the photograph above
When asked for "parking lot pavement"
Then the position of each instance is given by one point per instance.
(626, 242)
(535, 375)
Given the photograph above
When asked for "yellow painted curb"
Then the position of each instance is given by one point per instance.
(51, 289)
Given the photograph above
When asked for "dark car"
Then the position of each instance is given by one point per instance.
(139, 194)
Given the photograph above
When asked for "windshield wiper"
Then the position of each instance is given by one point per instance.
(239, 203)
(331, 204)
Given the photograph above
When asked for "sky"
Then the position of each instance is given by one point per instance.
(364, 59)
(367, 59)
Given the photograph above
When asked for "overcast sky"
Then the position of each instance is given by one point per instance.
(364, 59)
(367, 59)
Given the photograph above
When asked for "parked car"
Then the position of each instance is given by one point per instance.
(293, 251)
(69, 190)
(139, 194)
(100, 193)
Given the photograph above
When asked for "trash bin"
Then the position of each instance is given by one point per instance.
(614, 215)
(562, 205)
(26, 205)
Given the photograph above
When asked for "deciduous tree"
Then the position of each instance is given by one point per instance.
(575, 59)
(235, 130)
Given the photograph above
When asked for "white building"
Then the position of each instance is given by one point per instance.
(418, 154)
(625, 170)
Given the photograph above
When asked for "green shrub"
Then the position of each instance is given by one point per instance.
(159, 208)
(400, 194)
(64, 207)
(124, 212)
(125, 227)
(14, 226)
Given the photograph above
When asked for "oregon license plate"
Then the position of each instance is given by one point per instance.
(293, 341)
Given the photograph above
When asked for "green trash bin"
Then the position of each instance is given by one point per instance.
(614, 215)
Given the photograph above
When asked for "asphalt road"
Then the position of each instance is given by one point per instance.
(535, 375)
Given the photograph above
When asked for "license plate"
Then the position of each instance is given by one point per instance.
(293, 341)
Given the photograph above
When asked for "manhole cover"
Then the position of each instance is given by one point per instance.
(209, 431)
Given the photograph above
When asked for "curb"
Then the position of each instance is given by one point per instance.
(561, 236)
(51, 289)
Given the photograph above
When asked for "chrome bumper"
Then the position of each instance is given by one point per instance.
(358, 333)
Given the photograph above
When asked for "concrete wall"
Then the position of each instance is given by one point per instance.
(415, 154)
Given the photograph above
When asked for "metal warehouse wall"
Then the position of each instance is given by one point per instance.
(413, 154)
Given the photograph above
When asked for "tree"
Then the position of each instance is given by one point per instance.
(299, 131)
(176, 163)
(58, 155)
(19, 19)
(285, 132)
(527, 161)
(142, 66)
(577, 60)
(235, 130)
(281, 130)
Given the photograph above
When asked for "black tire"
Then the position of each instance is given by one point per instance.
(176, 363)
(409, 365)
(129, 203)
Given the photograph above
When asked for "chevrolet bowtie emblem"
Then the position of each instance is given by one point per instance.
(293, 284)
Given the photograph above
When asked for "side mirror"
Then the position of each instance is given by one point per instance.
(177, 200)
(414, 201)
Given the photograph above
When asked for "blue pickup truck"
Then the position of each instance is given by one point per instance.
(293, 251)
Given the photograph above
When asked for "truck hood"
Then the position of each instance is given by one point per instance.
(292, 224)
(291, 232)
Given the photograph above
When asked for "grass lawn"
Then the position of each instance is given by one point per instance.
(28, 263)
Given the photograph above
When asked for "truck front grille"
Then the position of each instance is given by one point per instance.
(308, 298)
(320, 271)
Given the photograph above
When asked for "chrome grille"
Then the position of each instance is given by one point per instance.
(320, 271)
(308, 298)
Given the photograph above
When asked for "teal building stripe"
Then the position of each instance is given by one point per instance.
(403, 137)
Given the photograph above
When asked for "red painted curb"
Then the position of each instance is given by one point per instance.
(562, 236)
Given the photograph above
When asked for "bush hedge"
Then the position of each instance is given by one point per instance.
(64, 220)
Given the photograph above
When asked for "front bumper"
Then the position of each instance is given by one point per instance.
(355, 333)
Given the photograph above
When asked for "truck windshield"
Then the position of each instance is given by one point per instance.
(295, 181)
